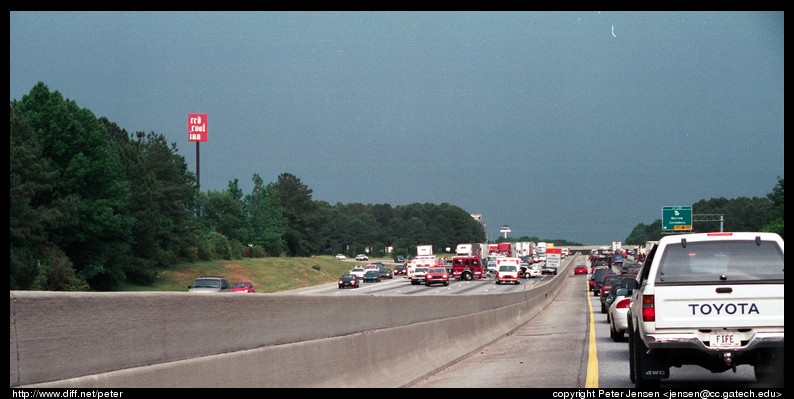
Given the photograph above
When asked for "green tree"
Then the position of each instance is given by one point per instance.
(34, 212)
(739, 214)
(776, 197)
(223, 211)
(75, 143)
(303, 220)
(266, 219)
(642, 233)
(161, 202)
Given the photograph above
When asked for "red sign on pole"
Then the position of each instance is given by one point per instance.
(197, 127)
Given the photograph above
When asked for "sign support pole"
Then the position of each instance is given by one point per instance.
(198, 176)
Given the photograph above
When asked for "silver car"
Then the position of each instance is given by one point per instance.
(210, 284)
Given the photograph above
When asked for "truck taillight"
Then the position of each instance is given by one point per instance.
(648, 312)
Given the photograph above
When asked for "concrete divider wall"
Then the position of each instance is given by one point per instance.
(147, 339)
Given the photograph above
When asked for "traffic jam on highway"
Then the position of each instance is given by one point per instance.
(703, 303)
(504, 263)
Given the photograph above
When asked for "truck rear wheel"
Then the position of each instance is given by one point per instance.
(770, 369)
(638, 352)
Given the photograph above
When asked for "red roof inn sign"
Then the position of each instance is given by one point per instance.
(197, 127)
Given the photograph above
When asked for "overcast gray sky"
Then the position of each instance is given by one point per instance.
(573, 125)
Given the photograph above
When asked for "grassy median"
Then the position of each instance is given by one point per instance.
(267, 274)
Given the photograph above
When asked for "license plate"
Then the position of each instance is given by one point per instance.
(725, 339)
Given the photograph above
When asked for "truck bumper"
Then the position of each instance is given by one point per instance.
(692, 341)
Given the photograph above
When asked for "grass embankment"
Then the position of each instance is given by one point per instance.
(267, 274)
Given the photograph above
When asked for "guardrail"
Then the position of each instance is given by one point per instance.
(167, 339)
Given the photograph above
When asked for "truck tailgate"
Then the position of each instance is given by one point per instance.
(702, 306)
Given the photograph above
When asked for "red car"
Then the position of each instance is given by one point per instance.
(580, 269)
(243, 286)
(436, 275)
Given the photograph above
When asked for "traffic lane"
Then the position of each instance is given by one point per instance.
(549, 351)
(458, 287)
(403, 286)
(613, 366)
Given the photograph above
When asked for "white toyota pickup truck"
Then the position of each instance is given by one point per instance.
(710, 299)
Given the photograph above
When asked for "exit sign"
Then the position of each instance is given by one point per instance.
(676, 218)
(197, 127)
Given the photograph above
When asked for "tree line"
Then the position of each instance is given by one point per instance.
(739, 214)
(94, 207)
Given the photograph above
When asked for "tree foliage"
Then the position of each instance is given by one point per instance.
(267, 224)
(300, 212)
(352, 228)
(74, 143)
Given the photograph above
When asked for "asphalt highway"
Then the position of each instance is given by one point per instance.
(567, 345)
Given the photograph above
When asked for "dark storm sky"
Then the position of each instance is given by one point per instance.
(574, 125)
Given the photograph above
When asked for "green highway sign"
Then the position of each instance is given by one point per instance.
(676, 218)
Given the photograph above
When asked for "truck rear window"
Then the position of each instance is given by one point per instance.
(721, 261)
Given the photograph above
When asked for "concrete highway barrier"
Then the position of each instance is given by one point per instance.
(172, 339)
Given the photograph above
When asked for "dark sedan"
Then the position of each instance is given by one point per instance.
(606, 286)
(371, 275)
(401, 269)
(596, 277)
(349, 280)
(386, 273)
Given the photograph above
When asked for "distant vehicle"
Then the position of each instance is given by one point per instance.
(618, 262)
(469, 249)
(399, 259)
(541, 248)
(420, 261)
(400, 269)
(508, 261)
(463, 250)
(424, 250)
(467, 267)
(490, 264)
(349, 280)
(523, 266)
(386, 273)
(340, 257)
(534, 270)
(362, 258)
(548, 269)
(618, 312)
(606, 285)
(210, 284)
(436, 275)
(596, 277)
(507, 274)
(371, 275)
(243, 286)
(580, 269)
(629, 282)
(418, 276)
(358, 272)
